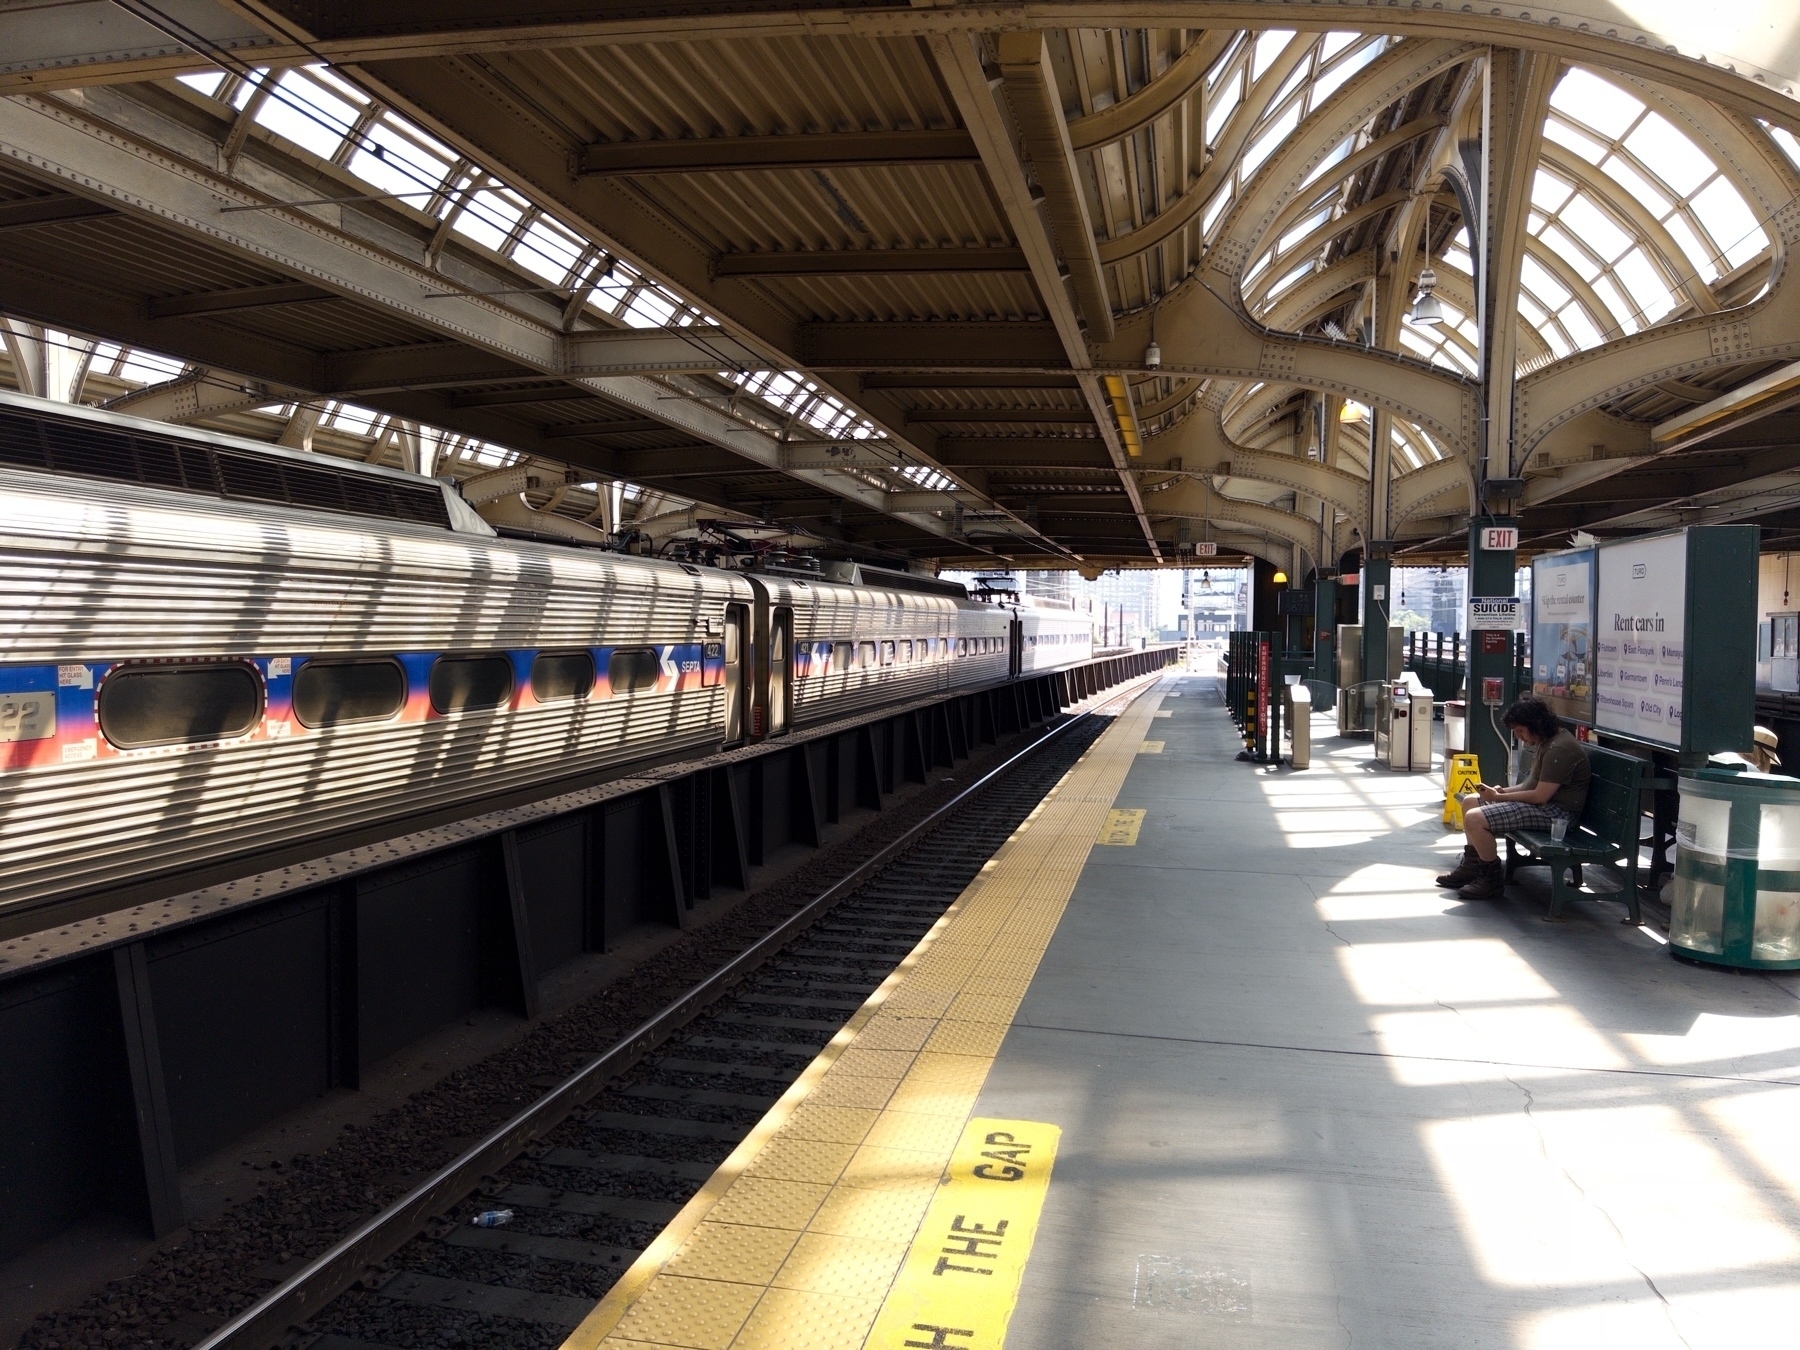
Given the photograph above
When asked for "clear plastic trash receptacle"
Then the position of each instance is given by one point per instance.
(1737, 869)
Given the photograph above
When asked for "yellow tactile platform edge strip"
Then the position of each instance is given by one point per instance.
(797, 1238)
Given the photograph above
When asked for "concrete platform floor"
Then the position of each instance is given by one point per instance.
(1307, 1099)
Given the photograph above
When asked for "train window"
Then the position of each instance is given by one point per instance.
(632, 669)
(843, 655)
(943, 649)
(467, 683)
(962, 646)
(179, 705)
(905, 649)
(561, 675)
(865, 654)
(328, 693)
(887, 652)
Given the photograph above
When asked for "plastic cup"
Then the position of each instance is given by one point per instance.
(1558, 828)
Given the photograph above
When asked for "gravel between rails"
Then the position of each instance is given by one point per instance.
(209, 1271)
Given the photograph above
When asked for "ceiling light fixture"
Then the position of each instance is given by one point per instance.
(1427, 310)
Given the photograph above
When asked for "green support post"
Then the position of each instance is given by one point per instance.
(1490, 656)
(1377, 603)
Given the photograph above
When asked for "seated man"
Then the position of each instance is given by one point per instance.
(1556, 790)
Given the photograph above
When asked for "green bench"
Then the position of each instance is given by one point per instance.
(1606, 833)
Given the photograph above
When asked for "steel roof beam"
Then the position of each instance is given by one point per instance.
(871, 262)
(89, 42)
(733, 154)
(240, 297)
(959, 63)
(53, 209)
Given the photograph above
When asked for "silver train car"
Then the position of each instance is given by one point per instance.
(186, 679)
(1049, 639)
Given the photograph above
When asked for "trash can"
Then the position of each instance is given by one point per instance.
(1419, 756)
(1300, 724)
(1737, 870)
(1456, 726)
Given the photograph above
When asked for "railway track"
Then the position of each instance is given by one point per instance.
(592, 1170)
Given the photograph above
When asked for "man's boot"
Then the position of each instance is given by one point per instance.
(1464, 871)
(1489, 882)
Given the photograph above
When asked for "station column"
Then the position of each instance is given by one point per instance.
(1491, 573)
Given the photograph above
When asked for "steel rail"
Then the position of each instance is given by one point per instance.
(336, 1271)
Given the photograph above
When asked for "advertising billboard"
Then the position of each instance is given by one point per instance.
(1639, 639)
(1562, 633)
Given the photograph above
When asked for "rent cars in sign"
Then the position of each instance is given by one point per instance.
(1638, 643)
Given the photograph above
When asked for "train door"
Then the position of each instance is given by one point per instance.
(1015, 647)
(737, 688)
(781, 665)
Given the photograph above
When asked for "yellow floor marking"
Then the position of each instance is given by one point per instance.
(797, 1239)
(962, 1273)
(1122, 827)
(1151, 748)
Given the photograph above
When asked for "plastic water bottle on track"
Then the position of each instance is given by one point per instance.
(492, 1218)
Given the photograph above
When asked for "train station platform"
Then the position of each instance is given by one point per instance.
(1205, 1058)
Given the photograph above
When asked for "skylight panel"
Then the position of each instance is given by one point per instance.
(148, 367)
(1555, 129)
(1542, 284)
(1594, 228)
(549, 252)
(394, 163)
(1220, 201)
(1459, 259)
(1700, 259)
(1292, 277)
(1580, 327)
(1533, 311)
(305, 114)
(1554, 339)
(1621, 316)
(1644, 284)
(1301, 230)
(1728, 218)
(1338, 155)
(1268, 46)
(488, 219)
(1267, 143)
(1789, 143)
(1570, 252)
(348, 417)
(1672, 156)
(1626, 176)
(1224, 103)
(1548, 192)
(1335, 43)
(1339, 75)
(206, 82)
(1302, 70)
(1595, 103)
(649, 309)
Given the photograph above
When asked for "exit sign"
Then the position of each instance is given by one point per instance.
(1206, 550)
(1499, 538)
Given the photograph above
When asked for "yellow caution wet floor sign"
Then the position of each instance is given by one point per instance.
(1462, 775)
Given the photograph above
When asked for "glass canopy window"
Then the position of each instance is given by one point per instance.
(1310, 67)
(313, 108)
(1631, 222)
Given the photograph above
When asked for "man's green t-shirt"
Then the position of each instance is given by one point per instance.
(1562, 760)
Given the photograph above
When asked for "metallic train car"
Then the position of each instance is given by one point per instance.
(245, 649)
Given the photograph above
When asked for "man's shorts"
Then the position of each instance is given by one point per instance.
(1505, 817)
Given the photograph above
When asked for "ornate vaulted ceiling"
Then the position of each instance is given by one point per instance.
(895, 277)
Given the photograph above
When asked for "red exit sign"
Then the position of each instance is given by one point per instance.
(1500, 538)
